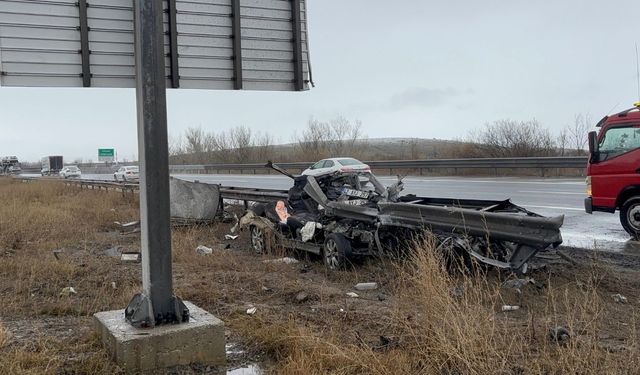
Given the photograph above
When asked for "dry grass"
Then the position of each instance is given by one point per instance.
(4, 335)
(426, 329)
(433, 330)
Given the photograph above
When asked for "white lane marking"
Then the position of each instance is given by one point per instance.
(550, 192)
(416, 179)
(559, 208)
(528, 182)
(231, 176)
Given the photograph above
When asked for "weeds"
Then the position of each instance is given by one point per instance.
(437, 331)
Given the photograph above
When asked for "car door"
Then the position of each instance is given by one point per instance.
(316, 169)
(328, 166)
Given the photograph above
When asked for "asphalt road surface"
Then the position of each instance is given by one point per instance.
(549, 197)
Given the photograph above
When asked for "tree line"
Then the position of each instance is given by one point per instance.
(343, 137)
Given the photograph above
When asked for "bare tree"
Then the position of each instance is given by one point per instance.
(264, 149)
(578, 132)
(313, 142)
(509, 138)
(175, 145)
(241, 143)
(337, 137)
(562, 141)
(414, 149)
(194, 140)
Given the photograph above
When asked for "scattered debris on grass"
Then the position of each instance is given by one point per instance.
(285, 260)
(352, 295)
(366, 286)
(130, 256)
(517, 284)
(457, 291)
(56, 253)
(67, 291)
(559, 334)
(302, 297)
(510, 307)
(619, 298)
(203, 250)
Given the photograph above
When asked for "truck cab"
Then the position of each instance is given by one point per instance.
(613, 171)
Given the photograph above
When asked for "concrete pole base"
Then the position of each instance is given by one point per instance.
(200, 340)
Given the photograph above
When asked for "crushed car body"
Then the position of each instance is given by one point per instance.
(343, 214)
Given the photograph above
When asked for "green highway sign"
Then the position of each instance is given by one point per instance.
(106, 154)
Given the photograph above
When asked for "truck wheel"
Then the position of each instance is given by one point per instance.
(258, 240)
(336, 246)
(630, 217)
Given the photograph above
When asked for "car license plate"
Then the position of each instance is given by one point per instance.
(356, 202)
(355, 193)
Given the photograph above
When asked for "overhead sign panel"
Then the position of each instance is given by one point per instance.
(106, 154)
(209, 44)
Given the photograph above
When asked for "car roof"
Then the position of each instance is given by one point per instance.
(340, 158)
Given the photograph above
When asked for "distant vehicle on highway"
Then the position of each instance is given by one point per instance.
(128, 173)
(332, 165)
(613, 171)
(10, 165)
(14, 169)
(70, 171)
(51, 165)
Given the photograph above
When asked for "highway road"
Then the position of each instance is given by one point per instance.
(549, 197)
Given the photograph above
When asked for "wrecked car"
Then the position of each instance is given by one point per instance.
(345, 214)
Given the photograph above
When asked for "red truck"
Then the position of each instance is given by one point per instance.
(613, 172)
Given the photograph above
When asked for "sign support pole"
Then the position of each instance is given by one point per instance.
(156, 304)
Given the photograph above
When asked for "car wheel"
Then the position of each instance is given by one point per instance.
(334, 251)
(258, 238)
(630, 217)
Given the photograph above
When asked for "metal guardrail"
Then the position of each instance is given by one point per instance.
(252, 195)
(570, 162)
(226, 192)
(560, 162)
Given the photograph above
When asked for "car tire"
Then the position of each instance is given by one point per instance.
(335, 250)
(630, 216)
(258, 239)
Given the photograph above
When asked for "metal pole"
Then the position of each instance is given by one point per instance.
(156, 304)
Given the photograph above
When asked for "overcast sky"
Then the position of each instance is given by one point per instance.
(409, 68)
